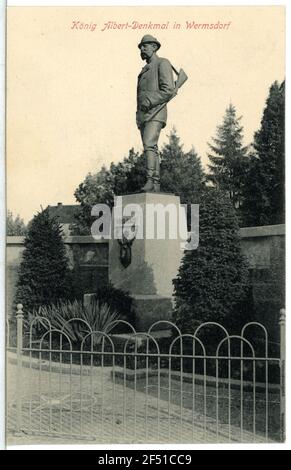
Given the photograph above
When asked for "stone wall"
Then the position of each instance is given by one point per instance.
(88, 259)
(264, 248)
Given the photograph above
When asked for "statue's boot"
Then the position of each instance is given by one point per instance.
(151, 164)
(157, 183)
(149, 186)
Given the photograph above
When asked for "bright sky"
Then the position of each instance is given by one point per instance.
(71, 93)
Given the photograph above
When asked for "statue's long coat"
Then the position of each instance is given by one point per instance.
(156, 83)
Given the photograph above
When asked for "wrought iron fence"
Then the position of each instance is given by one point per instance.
(161, 386)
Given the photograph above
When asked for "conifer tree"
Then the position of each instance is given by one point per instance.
(181, 172)
(44, 275)
(212, 283)
(229, 157)
(264, 188)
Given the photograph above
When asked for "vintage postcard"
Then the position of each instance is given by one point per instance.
(145, 230)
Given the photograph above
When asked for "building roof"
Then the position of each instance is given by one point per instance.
(65, 213)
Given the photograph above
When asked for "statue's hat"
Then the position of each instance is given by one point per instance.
(147, 39)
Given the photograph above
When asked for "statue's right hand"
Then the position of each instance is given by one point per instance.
(145, 105)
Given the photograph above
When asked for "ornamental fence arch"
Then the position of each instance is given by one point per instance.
(158, 386)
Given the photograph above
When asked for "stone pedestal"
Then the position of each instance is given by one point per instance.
(155, 256)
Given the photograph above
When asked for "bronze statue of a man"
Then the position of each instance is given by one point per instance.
(155, 87)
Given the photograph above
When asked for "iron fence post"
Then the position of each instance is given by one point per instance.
(7, 337)
(19, 321)
(282, 323)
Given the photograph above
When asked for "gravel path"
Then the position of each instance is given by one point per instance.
(64, 408)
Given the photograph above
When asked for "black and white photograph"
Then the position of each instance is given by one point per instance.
(145, 225)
